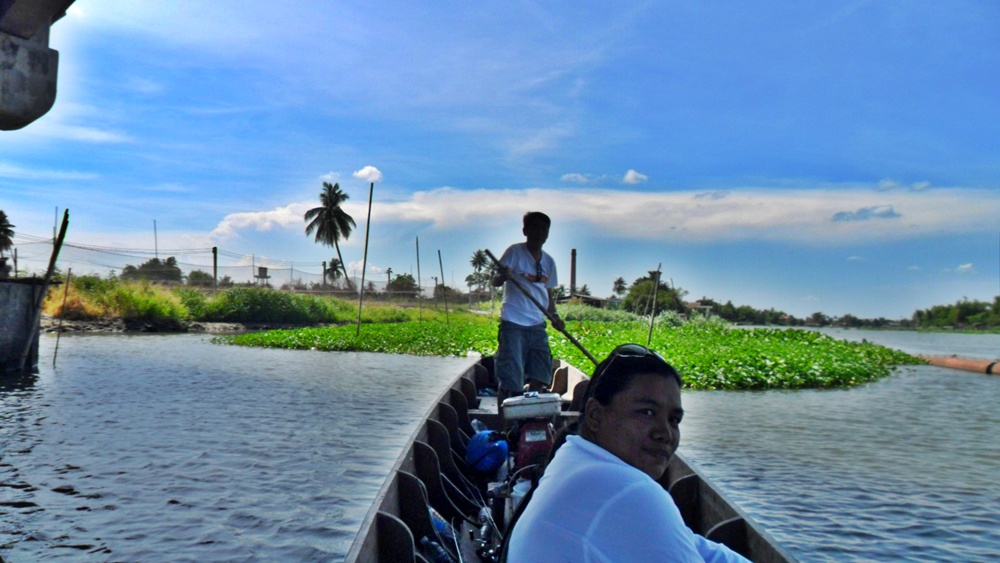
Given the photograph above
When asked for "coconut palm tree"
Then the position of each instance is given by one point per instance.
(6, 233)
(479, 260)
(330, 221)
(619, 287)
(335, 271)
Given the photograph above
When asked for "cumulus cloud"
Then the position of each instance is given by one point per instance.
(575, 178)
(282, 217)
(632, 177)
(798, 216)
(369, 174)
(866, 213)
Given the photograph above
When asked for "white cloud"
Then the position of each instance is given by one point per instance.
(369, 174)
(81, 133)
(283, 217)
(887, 184)
(965, 269)
(796, 216)
(855, 259)
(20, 173)
(330, 177)
(792, 216)
(633, 177)
(575, 178)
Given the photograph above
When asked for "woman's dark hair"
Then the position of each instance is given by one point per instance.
(612, 376)
(621, 366)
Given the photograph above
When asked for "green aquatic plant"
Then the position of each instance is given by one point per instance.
(708, 355)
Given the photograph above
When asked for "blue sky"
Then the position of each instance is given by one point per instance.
(841, 157)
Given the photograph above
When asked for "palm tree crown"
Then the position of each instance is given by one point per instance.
(329, 220)
(479, 260)
(6, 233)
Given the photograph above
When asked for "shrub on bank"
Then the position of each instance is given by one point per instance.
(92, 298)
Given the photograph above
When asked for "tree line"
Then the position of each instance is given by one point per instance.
(645, 295)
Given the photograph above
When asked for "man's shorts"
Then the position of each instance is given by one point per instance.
(523, 353)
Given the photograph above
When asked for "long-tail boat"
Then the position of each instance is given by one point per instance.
(435, 507)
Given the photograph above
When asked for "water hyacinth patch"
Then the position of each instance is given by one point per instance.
(709, 356)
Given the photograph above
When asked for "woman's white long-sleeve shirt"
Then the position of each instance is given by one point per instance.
(590, 506)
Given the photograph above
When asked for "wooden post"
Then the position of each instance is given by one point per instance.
(447, 318)
(364, 259)
(656, 290)
(420, 300)
(62, 315)
(40, 299)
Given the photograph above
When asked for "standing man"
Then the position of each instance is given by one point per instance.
(523, 352)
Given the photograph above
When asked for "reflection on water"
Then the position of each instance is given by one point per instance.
(153, 448)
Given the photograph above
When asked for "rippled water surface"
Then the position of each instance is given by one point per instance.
(903, 469)
(170, 448)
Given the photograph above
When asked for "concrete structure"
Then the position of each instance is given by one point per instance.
(17, 311)
(28, 68)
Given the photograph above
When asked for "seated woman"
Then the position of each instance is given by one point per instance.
(599, 499)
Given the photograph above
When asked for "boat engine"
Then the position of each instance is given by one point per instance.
(531, 415)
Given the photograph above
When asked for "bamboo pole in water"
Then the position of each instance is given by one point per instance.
(40, 300)
(420, 301)
(364, 259)
(656, 290)
(444, 291)
(62, 315)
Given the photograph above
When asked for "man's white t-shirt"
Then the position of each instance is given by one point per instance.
(516, 307)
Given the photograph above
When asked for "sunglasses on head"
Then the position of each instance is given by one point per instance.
(623, 351)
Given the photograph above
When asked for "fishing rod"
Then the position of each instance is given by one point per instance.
(550, 316)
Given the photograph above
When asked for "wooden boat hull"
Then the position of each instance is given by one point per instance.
(398, 518)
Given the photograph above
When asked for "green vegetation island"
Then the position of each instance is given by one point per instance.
(710, 352)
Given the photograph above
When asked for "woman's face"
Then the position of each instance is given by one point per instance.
(641, 425)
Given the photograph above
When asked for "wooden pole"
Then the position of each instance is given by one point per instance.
(524, 290)
(420, 300)
(62, 315)
(40, 299)
(444, 291)
(364, 259)
(656, 290)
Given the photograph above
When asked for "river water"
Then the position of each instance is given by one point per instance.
(170, 448)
